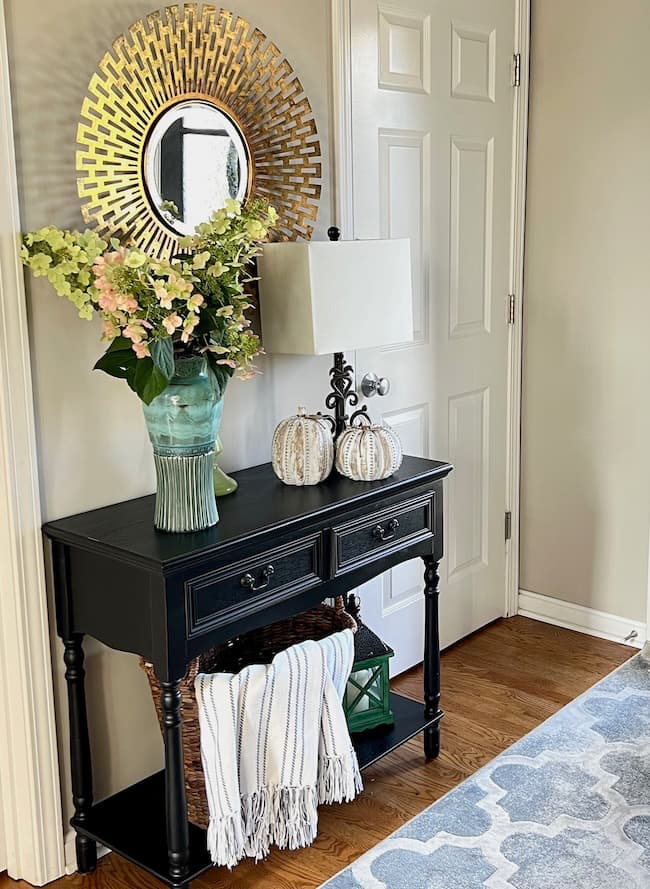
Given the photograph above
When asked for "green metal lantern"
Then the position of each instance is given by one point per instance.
(367, 696)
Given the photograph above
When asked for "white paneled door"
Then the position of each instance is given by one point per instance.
(432, 110)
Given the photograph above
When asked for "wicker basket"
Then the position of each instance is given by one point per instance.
(257, 647)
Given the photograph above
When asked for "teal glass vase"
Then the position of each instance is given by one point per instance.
(183, 424)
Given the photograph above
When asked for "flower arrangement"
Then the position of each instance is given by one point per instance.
(154, 310)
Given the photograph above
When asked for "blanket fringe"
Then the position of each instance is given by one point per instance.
(285, 816)
(295, 817)
(226, 840)
(339, 778)
(256, 816)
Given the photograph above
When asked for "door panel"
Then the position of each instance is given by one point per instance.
(404, 174)
(467, 539)
(470, 232)
(432, 136)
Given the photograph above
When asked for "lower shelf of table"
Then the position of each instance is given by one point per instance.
(132, 822)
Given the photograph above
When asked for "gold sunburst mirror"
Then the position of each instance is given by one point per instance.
(189, 108)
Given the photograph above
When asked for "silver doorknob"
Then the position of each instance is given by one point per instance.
(371, 385)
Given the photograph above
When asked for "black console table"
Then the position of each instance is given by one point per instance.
(168, 597)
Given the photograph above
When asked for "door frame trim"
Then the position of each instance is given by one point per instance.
(515, 339)
(30, 796)
(343, 193)
(342, 149)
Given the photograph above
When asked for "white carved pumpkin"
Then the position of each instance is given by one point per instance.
(367, 453)
(302, 451)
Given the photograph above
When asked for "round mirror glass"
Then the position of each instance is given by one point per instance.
(196, 159)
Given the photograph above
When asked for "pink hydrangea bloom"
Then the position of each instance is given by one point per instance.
(107, 300)
(164, 297)
(188, 327)
(110, 330)
(117, 256)
(172, 322)
(134, 332)
(127, 303)
(141, 350)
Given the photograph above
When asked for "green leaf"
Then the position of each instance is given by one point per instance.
(120, 344)
(221, 373)
(118, 363)
(162, 353)
(148, 381)
(209, 321)
(141, 374)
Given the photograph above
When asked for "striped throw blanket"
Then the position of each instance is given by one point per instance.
(274, 745)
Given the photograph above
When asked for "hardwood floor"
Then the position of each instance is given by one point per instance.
(497, 686)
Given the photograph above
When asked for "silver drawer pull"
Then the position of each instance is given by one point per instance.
(248, 580)
(386, 533)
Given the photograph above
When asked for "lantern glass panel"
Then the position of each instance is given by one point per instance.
(367, 696)
(364, 691)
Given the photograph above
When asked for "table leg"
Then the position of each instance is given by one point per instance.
(178, 841)
(431, 657)
(80, 761)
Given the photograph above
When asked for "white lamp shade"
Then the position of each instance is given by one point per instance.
(320, 297)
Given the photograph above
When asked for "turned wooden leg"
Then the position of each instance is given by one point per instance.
(431, 658)
(82, 776)
(178, 841)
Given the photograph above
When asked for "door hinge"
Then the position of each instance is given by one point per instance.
(511, 308)
(516, 80)
(508, 526)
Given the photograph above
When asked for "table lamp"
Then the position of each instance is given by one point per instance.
(320, 297)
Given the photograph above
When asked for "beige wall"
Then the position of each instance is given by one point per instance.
(93, 447)
(586, 431)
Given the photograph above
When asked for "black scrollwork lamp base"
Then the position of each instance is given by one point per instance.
(342, 394)
(341, 377)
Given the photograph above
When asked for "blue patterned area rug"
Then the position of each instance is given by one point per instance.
(567, 807)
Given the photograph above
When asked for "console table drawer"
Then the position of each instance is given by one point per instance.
(375, 535)
(252, 584)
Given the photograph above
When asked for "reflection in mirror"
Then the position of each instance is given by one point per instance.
(196, 159)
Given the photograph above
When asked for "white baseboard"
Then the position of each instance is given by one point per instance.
(581, 619)
(71, 855)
